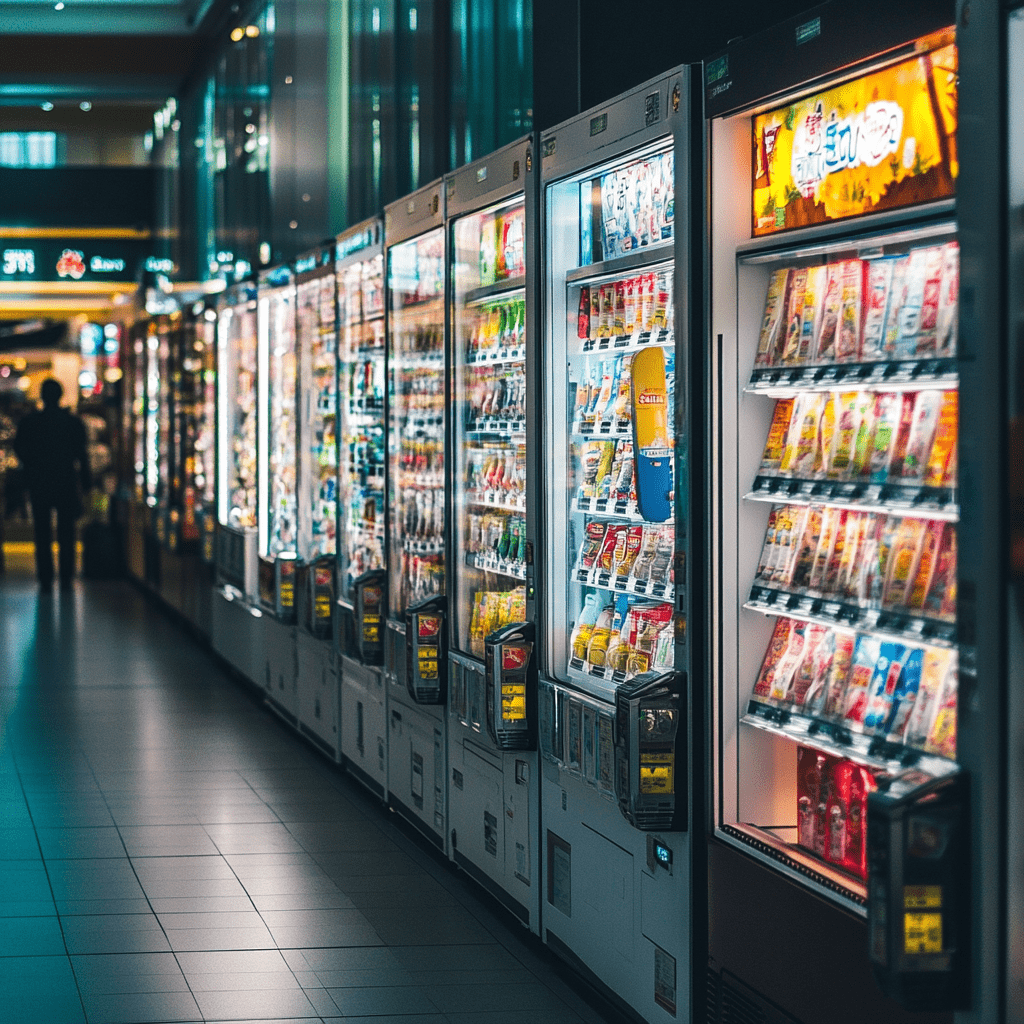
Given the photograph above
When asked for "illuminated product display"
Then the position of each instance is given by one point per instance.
(361, 390)
(489, 341)
(417, 391)
(278, 426)
(237, 363)
(835, 313)
(317, 345)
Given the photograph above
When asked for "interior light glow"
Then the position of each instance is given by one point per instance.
(237, 34)
(85, 105)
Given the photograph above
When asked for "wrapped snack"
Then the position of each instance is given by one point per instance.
(922, 434)
(787, 539)
(769, 541)
(812, 780)
(619, 554)
(825, 349)
(946, 325)
(899, 445)
(850, 311)
(634, 538)
(785, 670)
(606, 560)
(621, 406)
(829, 526)
(772, 656)
(942, 735)
(870, 572)
(863, 444)
(606, 484)
(937, 661)
(926, 335)
(607, 315)
(830, 581)
(897, 300)
(845, 581)
(887, 417)
(803, 678)
(632, 306)
(597, 648)
(905, 695)
(839, 673)
(814, 304)
(622, 487)
(647, 302)
(775, 446)
(927, 563)
(801, 442)
(826, 437)
(774, 306)
(645, 558)
(946, 432)
(847, 424)
(878, 291)
(592, 541)
(941, 599)
(787, 345)
(619, 309)
(882, 687)
(807, 548)
(663, 550)
(902, 562)
(867, 651)
(824, 654)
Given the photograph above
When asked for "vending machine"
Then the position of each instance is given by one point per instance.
(158, 450)
(361, 610)
(135, 389)
(414, 235)
(277, 438)
(840, 798)
(237, 633)
(615, 586)
(494, 778)
(317, 349)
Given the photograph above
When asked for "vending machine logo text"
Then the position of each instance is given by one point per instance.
(823, 146)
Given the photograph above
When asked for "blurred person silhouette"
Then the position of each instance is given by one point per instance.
(49, 443)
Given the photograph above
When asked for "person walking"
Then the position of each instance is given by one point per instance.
(49, 443)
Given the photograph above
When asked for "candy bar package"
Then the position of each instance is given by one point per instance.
(593, 539)
(922, 434)
(937, 468)
(774, 308)
(828, 332)
(937, 662)
(814, 304)
(613, 213)
(942, 735)
(619, 308)
(767, 548)
(863, 444)
(772, 656)
(839, 674)
(903, 562)
(787, 538)
(634, 540)
(878, 290)
(775, 445)
(846, 523)
(850, 311)
(905, 695)
(803, 678)
(830, 522)
(926, 335)
(882, 687)
(807, 548)
(606, 559)
(899, 445)
(787, 344)
(918, 315)
(947, 323)
(824, 657)
(805, 453)
(897, 300)
(941, 599)
(887, 419)
(785, 670)
(866, 653)
(927, 563)
(847, 423)
(595, 313)
(826, 436)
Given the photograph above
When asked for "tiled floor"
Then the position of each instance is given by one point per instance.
(170, 852)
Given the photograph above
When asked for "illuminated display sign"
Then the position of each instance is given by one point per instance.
(879, 142)
(50, 259)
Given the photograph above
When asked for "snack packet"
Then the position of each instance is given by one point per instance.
(945, 440)
(807, 548)
(922, 434)
(882, 687)
(785, 670)
(905, 695)
(769, 541)
(787, 346)
(867, 651)
(839, 673)
(937, 661)
(775, 445)
(824, 655)
(803, 678)
(942, 735)
(772, 656)
(878, 289)
(826, 437)
(830, 518)
(903, 562)
(848, 339)
(927, 563)
(814, 304)
(825, 350)
(887, 416)
(863, 444)
(592, 541)
(946, 325)
(774, 307)
(847, 424)
(899, 445)
(941, 599)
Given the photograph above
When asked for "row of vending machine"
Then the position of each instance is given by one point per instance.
(598, 508)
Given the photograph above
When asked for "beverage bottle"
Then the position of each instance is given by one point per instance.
(579, 640)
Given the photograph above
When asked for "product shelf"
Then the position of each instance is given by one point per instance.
(940, 373)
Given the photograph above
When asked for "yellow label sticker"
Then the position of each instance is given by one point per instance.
(922, 897)
(922, 933)
(427, 652)
(428, 669)
(287, 595)
(656, 779)
(371, 634)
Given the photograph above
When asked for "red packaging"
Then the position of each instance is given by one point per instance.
(813, 771)
(592, 544)
(846, 817)
(583, 317)
(930, 302)
(772, 323)
(776, 648)
(899, 447)
(787, 344)
(606, 561)
(850, 311)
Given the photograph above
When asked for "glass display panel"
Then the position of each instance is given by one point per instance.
(277, 319)
(319, 476)
(361, 390)
(612, 424)
(489, 325)
(237, 388)
(417, 395)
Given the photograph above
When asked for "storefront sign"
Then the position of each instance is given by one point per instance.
(50, 259)
(879, 142)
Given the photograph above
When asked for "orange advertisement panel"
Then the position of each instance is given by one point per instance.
(880, 142)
